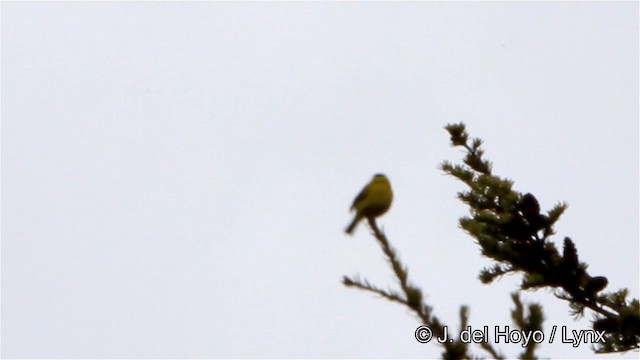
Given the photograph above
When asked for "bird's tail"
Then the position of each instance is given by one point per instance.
(352, 226)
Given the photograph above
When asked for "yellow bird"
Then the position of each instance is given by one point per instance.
(373, 201)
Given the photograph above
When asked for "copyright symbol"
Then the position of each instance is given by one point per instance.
(423, 334)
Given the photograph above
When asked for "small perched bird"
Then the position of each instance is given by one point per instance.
(373, 201)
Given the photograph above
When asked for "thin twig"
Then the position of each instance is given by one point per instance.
(368, 287)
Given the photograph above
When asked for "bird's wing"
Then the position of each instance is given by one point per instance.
(360, 197)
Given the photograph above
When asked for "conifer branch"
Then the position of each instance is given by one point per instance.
(510, 229)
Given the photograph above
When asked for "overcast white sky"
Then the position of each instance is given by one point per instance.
(176, 176)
